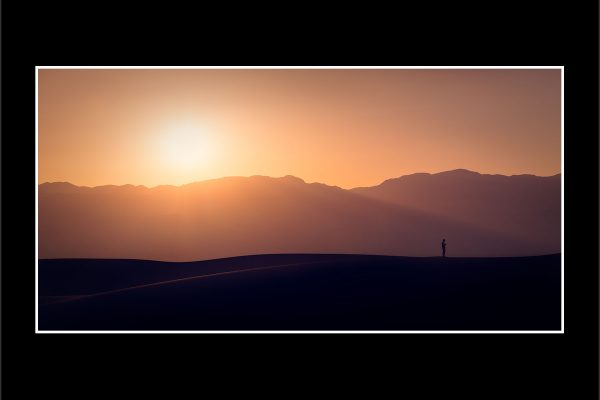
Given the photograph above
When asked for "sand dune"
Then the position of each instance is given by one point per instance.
(303, 292)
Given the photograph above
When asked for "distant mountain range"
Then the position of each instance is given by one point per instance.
(478, 214)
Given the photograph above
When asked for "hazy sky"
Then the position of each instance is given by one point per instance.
(341, 127)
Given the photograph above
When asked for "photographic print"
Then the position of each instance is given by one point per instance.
(299, 199)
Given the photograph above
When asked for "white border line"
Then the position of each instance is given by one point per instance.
(562, 91)
(562, 199)
(308, 332)
(36, 200)
(299, 67)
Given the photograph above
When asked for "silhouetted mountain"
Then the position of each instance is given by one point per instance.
(522, 206)
(257, 215)
(59, 187)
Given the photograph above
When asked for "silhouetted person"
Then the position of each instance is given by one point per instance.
(443, 247)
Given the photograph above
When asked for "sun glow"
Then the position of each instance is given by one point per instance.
(186, 149)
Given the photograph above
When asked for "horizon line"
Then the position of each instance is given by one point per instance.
(296, 177)
(294, 254)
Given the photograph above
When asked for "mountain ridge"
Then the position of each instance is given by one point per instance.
(293, 178)
(479, 215)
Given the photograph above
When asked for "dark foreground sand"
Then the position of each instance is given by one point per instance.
(302, 292)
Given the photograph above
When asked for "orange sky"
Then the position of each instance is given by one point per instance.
(340, 127)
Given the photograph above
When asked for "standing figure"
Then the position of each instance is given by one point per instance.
(443, 247)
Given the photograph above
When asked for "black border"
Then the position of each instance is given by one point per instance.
(515, 365)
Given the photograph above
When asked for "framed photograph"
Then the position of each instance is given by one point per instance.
(300, 199)
(380, 201)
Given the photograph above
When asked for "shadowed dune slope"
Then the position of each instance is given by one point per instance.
(303, 292)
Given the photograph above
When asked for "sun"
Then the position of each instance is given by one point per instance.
(186, 148)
